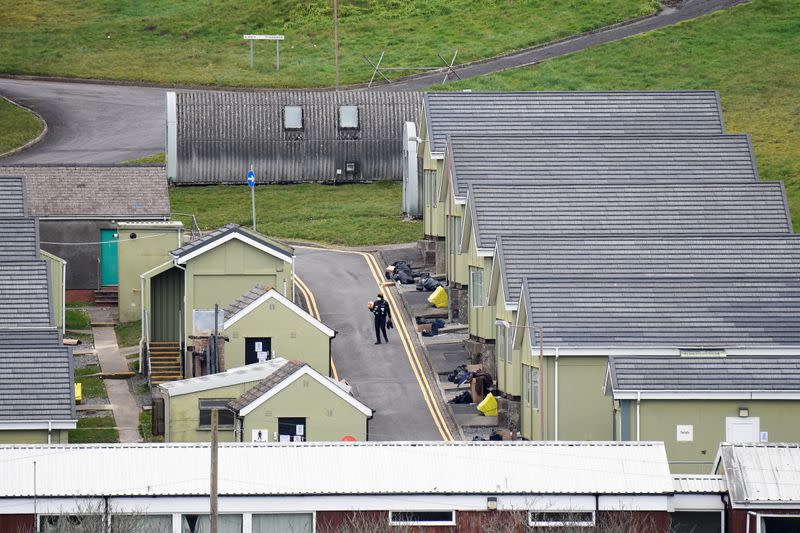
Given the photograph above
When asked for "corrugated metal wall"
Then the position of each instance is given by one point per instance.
(166, 303)
(221, 133)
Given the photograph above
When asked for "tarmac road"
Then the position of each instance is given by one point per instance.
(96, 123)
(381, 375)
(90, 123)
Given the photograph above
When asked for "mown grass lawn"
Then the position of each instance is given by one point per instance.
(157, 158)
(750, 53)
(185, 41)
(18, 126)
(78, 319)
(128, 333)
(347, 215)
(100, 429)
(92, 386)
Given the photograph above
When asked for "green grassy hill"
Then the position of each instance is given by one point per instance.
(200, 41)
(750, 53)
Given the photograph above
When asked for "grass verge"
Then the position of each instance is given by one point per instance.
(146, 427)
(19, 126)
(92, 386)
(78, 319)
(347, 215)
(128, 333)
(158, 157)
(100, 429)
(184, 41)
(750, 53)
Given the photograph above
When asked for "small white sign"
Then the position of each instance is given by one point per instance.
(763, 436)
(259, 347)
(286, 438)
(300, 429)
(251, 37)
(685, 433)
(260, 435)
(262, 357)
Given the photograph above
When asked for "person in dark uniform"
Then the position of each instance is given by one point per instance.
(382, 313)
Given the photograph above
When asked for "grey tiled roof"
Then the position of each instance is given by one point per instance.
(13, 339)
(36, 384)
(630, 209)
(685, 312)
(265, 385)
(510, 160)
(646, 256)
(24, 295)
(732, 373)
(219, 233)
(244, 300)
(105, 191)
(571, 113)
(12, 199)
(19, 239)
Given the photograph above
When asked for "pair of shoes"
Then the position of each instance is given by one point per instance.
(386, 341)
(378, 342)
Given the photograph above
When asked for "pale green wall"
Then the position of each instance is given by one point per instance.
(226, 272)
(182, 414)
(149, 249)
(56, 265)
(293, 337)
(58, 436)
(433, 211)
(481, 319)
(659, 419)
(328, 417)
(509, 316)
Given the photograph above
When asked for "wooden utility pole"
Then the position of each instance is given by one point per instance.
(336, 39)
(214, 442)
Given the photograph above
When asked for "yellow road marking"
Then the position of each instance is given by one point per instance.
(314, 311)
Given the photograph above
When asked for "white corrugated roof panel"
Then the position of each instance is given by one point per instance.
(701, 484)
(338, 468)
(760, 474)
(234, 376)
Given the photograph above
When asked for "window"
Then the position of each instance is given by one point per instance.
(459, 228)
(225, 414)
(509, 347)
(430, 186)
(280, 523)
(293, 117)
(348, 117)
(422, 518)
(534, 389)
(526, 385)
(476, 287)
(59, 523)
(560, 518)
(779, 524)
(200, 523)
(141, 523)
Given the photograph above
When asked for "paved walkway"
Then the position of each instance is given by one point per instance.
(123, 404)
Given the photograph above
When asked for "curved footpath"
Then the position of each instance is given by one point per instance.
(95, 123)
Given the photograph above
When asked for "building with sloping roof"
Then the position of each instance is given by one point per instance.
(763, 486)
(692, 403)
(262, 323)
(287, 136)
(318, 486)
(552, 114)
(179, 295)
(274, 401)
(698, 503)
(78, 207)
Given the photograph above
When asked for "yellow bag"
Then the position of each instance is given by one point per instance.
(488, 406)
(438, 298)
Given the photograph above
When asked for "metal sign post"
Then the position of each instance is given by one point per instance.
(276, 38)
(251, 182)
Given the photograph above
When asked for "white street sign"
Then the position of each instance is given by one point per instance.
(251, 37)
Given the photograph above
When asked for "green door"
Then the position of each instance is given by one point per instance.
(109, 267)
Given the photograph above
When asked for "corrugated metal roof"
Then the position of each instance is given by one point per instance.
(649, 256)
(571, 113)
(220, 134)
(234, 376)
(732, 373)
(510, 160)
(762, 473)
(103, 191)
(669, 312)
(699, 484)
(634, 208)
(339, 469)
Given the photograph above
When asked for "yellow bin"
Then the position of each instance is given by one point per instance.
(488, 406)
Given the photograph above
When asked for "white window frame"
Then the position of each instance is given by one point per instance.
(535, 386)
(458, 223)
(200, 409)
(476, 287)
(532, 515)
(760, 527)
(502, 339)
(302, 118)
(450, 522)
(526, 385)
(509, 347)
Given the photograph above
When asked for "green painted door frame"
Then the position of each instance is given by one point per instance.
(109, 265)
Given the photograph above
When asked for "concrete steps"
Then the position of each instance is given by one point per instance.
(106, 297)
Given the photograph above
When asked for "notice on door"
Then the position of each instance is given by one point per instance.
(685, 433)
(260, 435)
